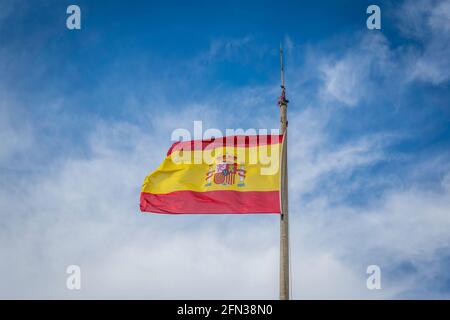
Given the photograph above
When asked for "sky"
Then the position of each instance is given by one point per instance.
(86, 114)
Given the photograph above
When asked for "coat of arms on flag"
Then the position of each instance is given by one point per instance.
(225, 171)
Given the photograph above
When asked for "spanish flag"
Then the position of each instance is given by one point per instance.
(233, 174)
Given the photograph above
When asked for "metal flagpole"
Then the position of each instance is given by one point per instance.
(284, 222)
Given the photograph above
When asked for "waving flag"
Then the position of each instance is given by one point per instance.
(234, 174)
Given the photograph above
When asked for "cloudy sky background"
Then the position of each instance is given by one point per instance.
(85, 115)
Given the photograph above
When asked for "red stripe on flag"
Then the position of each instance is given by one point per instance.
(211, 202)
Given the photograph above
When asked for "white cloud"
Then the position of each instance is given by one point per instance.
(349, 78)
(315, 159)
(407, 226)
(15, 132)
(429, 23)
(354, 76)
(446, 182)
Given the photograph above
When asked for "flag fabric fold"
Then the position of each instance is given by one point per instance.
(233, 174)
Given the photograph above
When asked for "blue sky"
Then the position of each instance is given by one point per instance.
(86, 114)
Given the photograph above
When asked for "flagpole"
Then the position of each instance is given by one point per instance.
(284, 222)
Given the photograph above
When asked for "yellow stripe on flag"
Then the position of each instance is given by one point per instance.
(257, 169)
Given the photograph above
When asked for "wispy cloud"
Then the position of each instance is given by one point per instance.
(428, 22)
